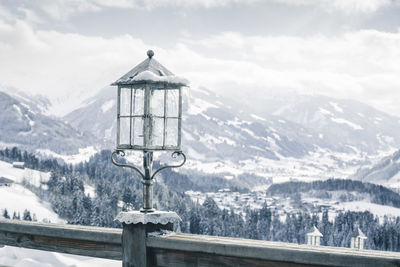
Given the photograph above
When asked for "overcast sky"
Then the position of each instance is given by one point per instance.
(70, 49)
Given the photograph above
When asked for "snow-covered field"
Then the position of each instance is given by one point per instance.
(225, 199)
(18, 198)
(83, 155)
(23, 175)
(319, 165)
(378, 210)
(22, 257)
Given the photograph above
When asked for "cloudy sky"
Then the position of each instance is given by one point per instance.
(70, 49)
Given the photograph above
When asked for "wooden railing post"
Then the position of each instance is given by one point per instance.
(136, 226)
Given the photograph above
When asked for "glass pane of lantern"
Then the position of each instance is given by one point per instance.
(172, 132)
(125, 102)
(124, 131)
(157, 102)
(137, 135)
(157, 133)
(172, 103)
(138, 100)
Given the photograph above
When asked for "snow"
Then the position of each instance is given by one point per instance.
(199, 106)
(336, 107)
(203, 91)
(206, 138)
(150, 76)
(18, 110)
(107, 105)
(193, 154)
(83, 155)
(277, 137)
(213, 167)
(319, 165)
(28, 108)
(21, 257)
(250, 133)
(325, 112)
(348, 123)
(89, 190)
(378, 210)
(282, 121)
(17, 198)
(257, 117)
(31, 122)
(33, 177)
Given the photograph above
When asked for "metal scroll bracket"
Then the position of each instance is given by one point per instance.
(147, 176)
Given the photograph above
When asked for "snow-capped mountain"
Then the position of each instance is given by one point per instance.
(23, 124)
(212, 128)
(385, 172)
(222, 136)
(347, 125)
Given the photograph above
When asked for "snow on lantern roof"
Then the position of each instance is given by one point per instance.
(360, 234)
(150, 70)
(315, 232)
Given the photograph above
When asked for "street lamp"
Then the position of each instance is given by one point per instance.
(149, 118)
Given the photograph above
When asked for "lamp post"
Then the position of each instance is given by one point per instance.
(149, 118)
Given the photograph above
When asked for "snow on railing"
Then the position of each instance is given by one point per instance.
(154, 245)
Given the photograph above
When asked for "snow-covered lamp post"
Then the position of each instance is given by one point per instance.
(149, 118)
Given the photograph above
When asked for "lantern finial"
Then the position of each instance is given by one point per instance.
(150, 53)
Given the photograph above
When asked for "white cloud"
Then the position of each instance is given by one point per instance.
(67, 67)
(63, 9)
(346, 6)
(361, 65)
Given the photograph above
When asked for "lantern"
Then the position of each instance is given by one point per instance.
(149, 118)
(149, 108)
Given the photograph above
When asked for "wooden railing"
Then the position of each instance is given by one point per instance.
(176, 249)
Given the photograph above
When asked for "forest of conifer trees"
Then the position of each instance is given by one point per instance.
(119, 189)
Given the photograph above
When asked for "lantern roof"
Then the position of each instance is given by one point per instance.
(360, 234)
(315, 232)
(150, 70)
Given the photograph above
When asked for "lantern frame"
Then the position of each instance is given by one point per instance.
(149, 76)
(148, 133)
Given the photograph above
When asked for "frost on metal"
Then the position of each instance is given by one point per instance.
(150, 70)
(157, 217)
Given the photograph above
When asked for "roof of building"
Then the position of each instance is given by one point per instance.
(315, 232)
(18, 163)
(4, 180)
(150, 70)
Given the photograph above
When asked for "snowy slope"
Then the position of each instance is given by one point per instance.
(224, 137)
(385, 172)
(16, 198)
(345, 124)
(23, 124)
(30, 176)
(22, 257)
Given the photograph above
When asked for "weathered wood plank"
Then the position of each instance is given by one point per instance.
(100, 234)
(78, 240)
(271, 251)
(173, 258)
